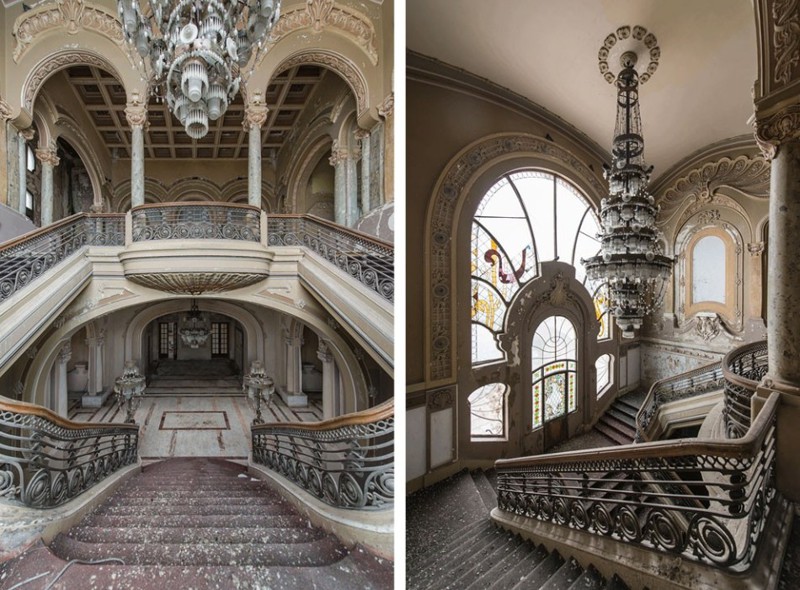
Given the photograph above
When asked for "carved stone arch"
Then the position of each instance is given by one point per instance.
(44, 119)
(70, 131)
(337, 55)
(300, 173)
(461, 185)
(154, 192)
(343, 107)
(344, 128)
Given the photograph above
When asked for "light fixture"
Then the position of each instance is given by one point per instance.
(196, 332)
(129, 389)
(196, 49)
(631, 261)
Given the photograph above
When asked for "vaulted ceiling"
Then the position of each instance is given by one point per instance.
(547, 51)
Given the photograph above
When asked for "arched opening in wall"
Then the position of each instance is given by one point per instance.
(72, 184)
(554, 379)
(488, 410)
(194, 352)
(319, 190)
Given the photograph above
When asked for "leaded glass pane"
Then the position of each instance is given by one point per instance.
(487, 411)
(554, 388)
(603, 368)
(484, 348)
(554, 375)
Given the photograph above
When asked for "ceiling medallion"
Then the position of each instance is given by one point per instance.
(195, 49)
(630, 261)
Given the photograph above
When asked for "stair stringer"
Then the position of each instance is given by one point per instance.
(640, 567)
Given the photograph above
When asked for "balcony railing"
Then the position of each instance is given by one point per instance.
(196, 221)
(368, 260)
(46, 460)
(25, 259)
(702, 500)
(696, 382)
(743, 368)
(347, 462)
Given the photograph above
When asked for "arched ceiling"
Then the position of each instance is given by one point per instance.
(546, 50)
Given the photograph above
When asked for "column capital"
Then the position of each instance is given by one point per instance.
(5, 110)
(48, 156)
(65, 353)
(136, 114)
(28, 134)
(756, 248)
(782, 127)
(386, 108)
(255, 114)
(361, 134)
(340, 154)
(324, 352)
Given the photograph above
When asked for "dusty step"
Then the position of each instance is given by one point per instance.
(612, 434)
(191, 509)
(619, 425)
(564, 577)
(286, 519)
(200, 492)
(481, 561)
(320, 552)
(244, 501)
(263, 535)
(468, 532)
(502, 563)
(590, 579)
(534, 557)
(542, 572)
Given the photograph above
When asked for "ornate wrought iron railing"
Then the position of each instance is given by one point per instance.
(196, 221)
(46, 460)
(26, 258)
(347, 462)
(695, 382)
(365, 258)
(743, 368)
(702, 500)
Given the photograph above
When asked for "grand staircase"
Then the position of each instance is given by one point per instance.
(618, 423)
(201, 524)
(465, 550)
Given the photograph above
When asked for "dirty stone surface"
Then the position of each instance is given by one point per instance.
(195, 523)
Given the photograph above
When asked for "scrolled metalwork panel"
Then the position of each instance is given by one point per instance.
(348, 466)
(196, 222)
(369, 262)
(744, 367)
(686, 505)
(45, 464)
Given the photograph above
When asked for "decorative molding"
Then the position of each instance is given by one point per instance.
(5, 110)
(187, 283)
(441, 399)
(71, 15)
(638, 33)
(746, 174)
(756, 248)
(771, 132)
(445, 203)
(56, 62)
(707, 325)
(338, 64)
(65, 353)
(255, 114)
(386, 108)
(48, 156)
(136, 113)
(318, 15)
(786, 39)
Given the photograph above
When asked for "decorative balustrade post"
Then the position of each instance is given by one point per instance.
(136, 115)
(329, 401)
(255, 115)
(49, 159)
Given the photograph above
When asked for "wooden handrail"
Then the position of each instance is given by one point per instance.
(744, 447)
(37, 410)
(379, 412)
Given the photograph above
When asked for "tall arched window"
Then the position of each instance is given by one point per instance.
(526, 218)
(554, 364)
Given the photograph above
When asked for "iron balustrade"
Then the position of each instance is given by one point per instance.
(703, 500)
(365, 258)
(347, 462)
(196, 221)
(46, 460)
(743, 367)
(695, 382)
(26, 258)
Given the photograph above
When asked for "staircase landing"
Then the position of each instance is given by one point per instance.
(202, 524)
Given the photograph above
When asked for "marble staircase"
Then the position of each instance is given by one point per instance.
(618, 423)
(202, 524)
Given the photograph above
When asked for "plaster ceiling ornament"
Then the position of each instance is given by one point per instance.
(630, 261)
(195, 51)
(189, 283)
(786, 38)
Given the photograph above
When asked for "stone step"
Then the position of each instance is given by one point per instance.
(467, 532)
(166, 500)
(282, 520)
(259, 535)
(566, 575)
(619, 414)
(190, 509)
(618, 425)
(319, 552)
(197, 492)
(485, 489)
(590, 579)
(481, 560)
(542, 572)
(517, 572)
(502, 562)
(611, 434)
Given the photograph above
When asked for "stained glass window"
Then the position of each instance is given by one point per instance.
(554, 376)
(487, 407)
(526, 218)
(603, 365)
(601, 309)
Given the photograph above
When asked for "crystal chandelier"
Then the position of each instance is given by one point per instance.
(630, 261)
(196, 49)
(196, 332)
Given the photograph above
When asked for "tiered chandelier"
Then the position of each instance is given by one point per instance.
(196, 49)
(630, 262)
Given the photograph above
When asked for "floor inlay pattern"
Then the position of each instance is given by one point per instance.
(195, 420)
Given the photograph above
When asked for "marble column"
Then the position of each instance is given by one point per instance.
(61, 401)
(96, 350)
(756, 285)
(5, 116)
(255, 115)
(49, 160)
(386, 111)
(366, 198)
(294, 372)
(136, 115)
(22, 167)
(345, 184)
(329, 389)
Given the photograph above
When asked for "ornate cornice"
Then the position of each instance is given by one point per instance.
(746, 174)
(71, 15)
(450, 190)
(321, 14)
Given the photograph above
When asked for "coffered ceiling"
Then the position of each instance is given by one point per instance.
(547, 51)
(104, 100)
